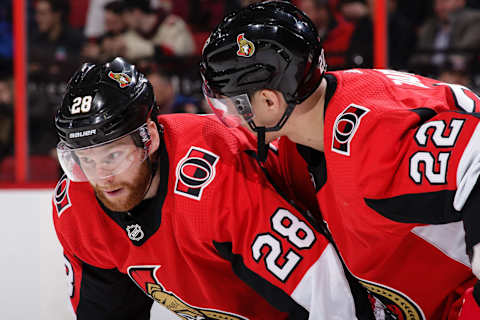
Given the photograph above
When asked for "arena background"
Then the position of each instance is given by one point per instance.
(32, 81)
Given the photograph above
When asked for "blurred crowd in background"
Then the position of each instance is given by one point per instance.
(164, 38)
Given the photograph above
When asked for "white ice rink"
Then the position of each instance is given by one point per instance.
(32, 274)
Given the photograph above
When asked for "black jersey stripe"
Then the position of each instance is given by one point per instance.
(429, 208)
(275, 296)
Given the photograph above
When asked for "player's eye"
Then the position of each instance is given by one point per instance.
(87, 161)
(112, 157)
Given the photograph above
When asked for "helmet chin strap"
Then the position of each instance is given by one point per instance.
(152, 165)
(262, 147)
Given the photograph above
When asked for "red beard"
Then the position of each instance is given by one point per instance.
(134, 190)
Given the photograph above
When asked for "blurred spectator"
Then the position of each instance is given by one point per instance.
(454, 29)
(354, 10)
(6, 43)
(335, 32)
(110, 44)
(54, 46)
(54, 54)
(401, 35)
(473, 4)
(95, 24)
(458, 70)
(155, 32)
(204, 15)
(416, 11)
(6, 116)
(177, 7)
(78, 13)
(167, 96)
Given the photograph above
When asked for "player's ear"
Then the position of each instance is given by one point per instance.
(154, 136)
(271, 99)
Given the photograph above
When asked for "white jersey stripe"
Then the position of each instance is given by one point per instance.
(325, 290)
(468, 170)
(448, 238)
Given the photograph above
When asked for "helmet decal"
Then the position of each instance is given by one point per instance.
(81, 134)
(245, 46)
(284, 47)
(96, 110)
(123, 79)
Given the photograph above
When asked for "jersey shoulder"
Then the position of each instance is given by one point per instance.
(206, 131)
(80, 223)
(68, 196)
(386, 90)
(213, 172)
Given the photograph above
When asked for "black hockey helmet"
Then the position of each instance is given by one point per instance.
(103, 103)
(285, 54)
(267, 45)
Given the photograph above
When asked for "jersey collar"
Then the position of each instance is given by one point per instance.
(143, 221)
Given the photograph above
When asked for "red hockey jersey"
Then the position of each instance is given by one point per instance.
(397, 176)
(217, 242)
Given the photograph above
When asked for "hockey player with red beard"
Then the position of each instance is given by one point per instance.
(394, 157)
(176, 209)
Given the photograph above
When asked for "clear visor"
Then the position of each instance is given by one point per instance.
(104, 160)
(233, 111)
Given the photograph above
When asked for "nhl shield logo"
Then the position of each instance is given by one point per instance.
(245, 46)
(135, 232)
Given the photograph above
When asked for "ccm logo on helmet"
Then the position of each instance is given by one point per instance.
(345, 127)
(194, 172)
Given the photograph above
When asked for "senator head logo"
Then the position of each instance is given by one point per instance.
(146, 278)
(245, 46)
(123, 79)
(389, 303)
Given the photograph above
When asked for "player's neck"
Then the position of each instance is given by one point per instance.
(306, 124)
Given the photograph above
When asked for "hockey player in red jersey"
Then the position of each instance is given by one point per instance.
(394, 157)
(176, 209)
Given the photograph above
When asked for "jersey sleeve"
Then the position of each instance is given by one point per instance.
(422, 166)
(99, 293)
(280, 252)
(470, 308)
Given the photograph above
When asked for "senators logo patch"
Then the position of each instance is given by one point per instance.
(391, 304)
(345, 127)
(195, 172)
(61, 199)
(145, 277)
(123, 79)
(245, 46)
